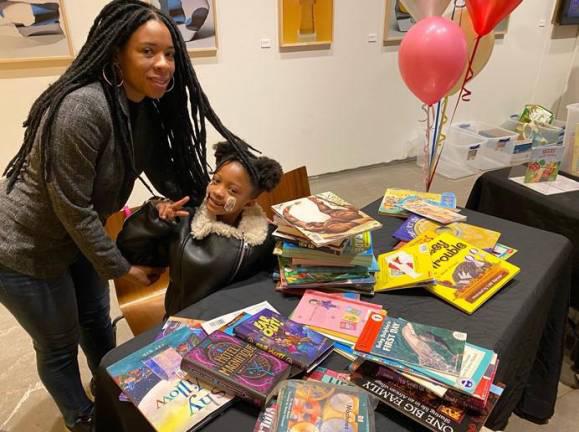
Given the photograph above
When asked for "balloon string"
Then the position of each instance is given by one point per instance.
(469, 76)
(426, 166)
(435, 136)
(439, 141)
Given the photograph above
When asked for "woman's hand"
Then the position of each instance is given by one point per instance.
(143, 275)
(169, 210)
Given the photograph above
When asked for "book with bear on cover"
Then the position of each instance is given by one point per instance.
(466, 276)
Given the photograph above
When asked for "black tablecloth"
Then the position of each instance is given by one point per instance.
(494, 194)
(524, 323)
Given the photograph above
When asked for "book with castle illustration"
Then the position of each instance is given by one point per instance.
(153, 381)
(466, 276)
(325, 218)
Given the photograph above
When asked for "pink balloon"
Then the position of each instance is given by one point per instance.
(432, 57)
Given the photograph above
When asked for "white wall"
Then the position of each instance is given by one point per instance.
(334, 109)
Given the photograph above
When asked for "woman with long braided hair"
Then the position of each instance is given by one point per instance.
(129, 103)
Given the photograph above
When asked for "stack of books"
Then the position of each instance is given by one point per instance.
(324, 243)
(431, 374)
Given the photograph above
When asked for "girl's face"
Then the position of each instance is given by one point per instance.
(147, 61)
(230, 190)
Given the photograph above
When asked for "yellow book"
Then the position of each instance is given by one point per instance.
(404, 268)
(466, 276)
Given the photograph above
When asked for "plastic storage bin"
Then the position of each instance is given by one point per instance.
(490, 135)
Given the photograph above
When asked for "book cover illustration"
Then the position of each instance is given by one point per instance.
(325, 218)
(413, 343)
(153, 381)
(292, 342)
(466, 276)
(480, 237)
(433, 212)
(174, 323)
(315, 406)
(345, 317)
(503, 252)
(403, 268)
(430, 411)
(393, 198)
(238, 366)
(544, 163)
(299, 275)
(218, 322)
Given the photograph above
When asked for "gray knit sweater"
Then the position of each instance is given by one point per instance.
(45, 225)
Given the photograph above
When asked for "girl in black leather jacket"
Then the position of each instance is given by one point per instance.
(226, 239)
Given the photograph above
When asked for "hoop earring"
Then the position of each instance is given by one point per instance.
(108, 81)
(171, 88)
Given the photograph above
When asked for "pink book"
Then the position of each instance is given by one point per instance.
(344, 316)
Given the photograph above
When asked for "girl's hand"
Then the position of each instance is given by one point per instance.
(169, 210)
(143, 275)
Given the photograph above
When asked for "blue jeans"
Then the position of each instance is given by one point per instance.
(58, 314)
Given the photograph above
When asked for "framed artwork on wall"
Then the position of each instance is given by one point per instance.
(33, 31)
(196, 20)
(397, 22)
(306, 23)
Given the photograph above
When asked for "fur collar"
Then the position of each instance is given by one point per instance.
(253, 226)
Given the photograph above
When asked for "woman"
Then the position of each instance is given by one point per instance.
(225, 240)
(120, 109)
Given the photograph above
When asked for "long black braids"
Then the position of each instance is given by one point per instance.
(182, 112)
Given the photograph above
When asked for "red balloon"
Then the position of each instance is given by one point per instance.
(486, 14)
(432, 57)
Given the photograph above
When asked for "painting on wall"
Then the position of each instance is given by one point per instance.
(33, 30)
(397, 22)
(196, 21)
(305, 23)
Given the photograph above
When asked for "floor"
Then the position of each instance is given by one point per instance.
(25, 406)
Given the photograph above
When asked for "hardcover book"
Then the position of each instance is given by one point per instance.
(170, 400)
(325, 218)
(466, 276)
(238, 367)
(288, 340)
(315, 406)
(413, 343)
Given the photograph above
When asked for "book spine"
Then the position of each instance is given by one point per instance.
(213, 377)
(267, 345)
(370, 332)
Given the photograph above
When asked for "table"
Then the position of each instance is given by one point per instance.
(524, 323)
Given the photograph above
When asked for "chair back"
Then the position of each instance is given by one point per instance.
(293, 185)
(142, 306)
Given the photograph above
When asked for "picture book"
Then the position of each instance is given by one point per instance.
(238, 367)
(413, 343)
(288, 340)
(404, 268)
(477, 236)
(432, 412)
(315, 406)
(298, 275)
(466, 276)
(391, 203)
(293, 234)
(153, 374)
(343, 317)
(218, 322)
(433, 212)
(503, 252)
(325, 218)
(174, 323)
(544, 163)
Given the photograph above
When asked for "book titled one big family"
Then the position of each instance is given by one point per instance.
(153, 381)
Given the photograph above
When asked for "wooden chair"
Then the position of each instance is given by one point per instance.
(294, 184)
(142, 306)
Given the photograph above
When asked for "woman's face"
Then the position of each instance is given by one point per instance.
(147, 61)
(230, 183)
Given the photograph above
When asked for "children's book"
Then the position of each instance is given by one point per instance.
(433, 212)
(544, 163)
(343, 318)
(266, 419)
(477, 236)
(299, 275)
(412, 343)
(238, 367)
(325, 218)
(329, 376)
(174, 323)
(292, 342)
(316, 406)
(218, 322)
(434, 413)
(503, 252)
(466, 276)
(391, 203)
(153, 381)
(404, 268)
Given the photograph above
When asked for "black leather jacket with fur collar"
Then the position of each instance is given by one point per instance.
(203, 254)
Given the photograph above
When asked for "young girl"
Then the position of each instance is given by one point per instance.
(226, 239)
